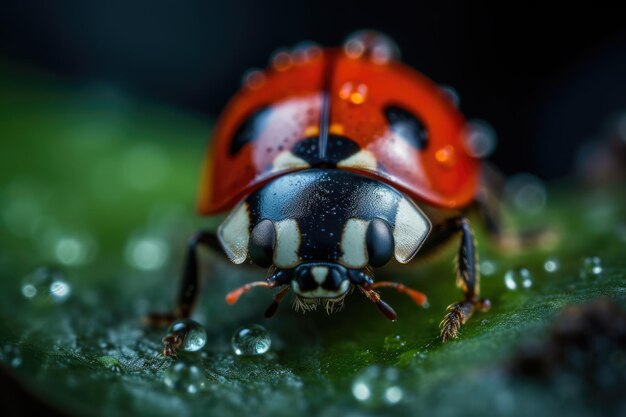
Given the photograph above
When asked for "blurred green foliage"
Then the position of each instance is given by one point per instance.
(102, 186)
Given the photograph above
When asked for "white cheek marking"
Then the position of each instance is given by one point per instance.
(363, 159)
(410, 230)
(319, 274)
(234, 234)
(286, 160)
(287, 243)
(353, 243)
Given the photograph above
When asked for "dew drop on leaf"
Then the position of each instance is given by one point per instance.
(185, 378)
(551, 265)
(394, 343)
(518, 279)
(591, 267)
(193, 334)
(377, 386)
(10, 354)
(46, 286)
(487, 268)
(251, 340)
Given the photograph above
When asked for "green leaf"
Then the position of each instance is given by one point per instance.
(102, 186)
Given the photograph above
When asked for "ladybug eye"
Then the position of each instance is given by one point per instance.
(407, 126)
(262, 241)
(249, 130)
(379, 242)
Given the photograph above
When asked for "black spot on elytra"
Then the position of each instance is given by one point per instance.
(406, 125)
(249, 130)
(338, 148)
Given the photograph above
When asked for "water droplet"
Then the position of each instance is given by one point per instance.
(446, 156)
(68, 250)
(480, 138)
(394, 343)
(251, 340)
(147, 252)
(59, 290)
(253, 79)
(551, 265)
(185, 378)
(354, 92)
(393, 395)
(377, 386)
(451, 94)
(11, 354)
(192, 333)
(46, 286)
(591, 267)
(305, 52)
(487, 268)
(354, 48)
(281, 60)
(105, 345)
(526, 193)
(74, 249)
(519, 278)
(16, 361)
(379, 48)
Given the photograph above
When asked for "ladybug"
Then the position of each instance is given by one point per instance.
(334, 162)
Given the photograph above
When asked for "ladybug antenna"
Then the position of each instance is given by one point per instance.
(274, 280)
(418, 298)
(233, 296)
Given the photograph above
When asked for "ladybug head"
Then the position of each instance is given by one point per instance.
(320, 278)
(324, 283)
(321, 232)
(313, 284)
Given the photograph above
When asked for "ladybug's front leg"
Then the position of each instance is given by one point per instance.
(190, 283)
(468, 279)
(188, 291)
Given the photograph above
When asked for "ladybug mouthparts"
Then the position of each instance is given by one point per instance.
(315, 283)
(320, 280)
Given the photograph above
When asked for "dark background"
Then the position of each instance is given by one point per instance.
(547, 80)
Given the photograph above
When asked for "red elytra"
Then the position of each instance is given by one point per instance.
(442, 174)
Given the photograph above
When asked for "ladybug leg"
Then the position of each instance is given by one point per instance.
(384, 308)
(190, 283)
(468, 279)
